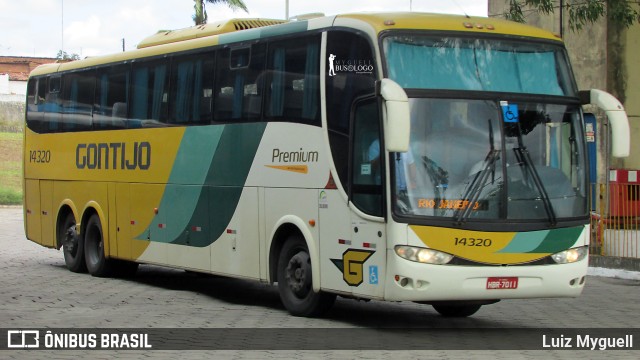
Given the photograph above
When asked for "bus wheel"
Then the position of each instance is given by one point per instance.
(457, 310)
(72, 245)
(295, 284)
(97, 263)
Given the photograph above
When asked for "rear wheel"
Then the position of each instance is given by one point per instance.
(72, 244)
(97, 263)
(457, 310)
(295, 284)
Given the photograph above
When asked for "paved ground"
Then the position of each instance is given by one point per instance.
(37, 291)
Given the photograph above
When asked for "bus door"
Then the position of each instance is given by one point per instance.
(365, 262)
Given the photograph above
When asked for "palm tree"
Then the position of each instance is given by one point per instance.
(201, 14)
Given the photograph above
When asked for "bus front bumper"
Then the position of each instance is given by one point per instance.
(412, 281)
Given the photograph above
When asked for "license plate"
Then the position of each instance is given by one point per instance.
(499, 283)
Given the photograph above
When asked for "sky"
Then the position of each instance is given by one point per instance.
(41, 28)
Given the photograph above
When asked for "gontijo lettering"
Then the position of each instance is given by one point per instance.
(115, 156)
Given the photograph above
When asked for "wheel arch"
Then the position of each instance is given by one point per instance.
(283, 229)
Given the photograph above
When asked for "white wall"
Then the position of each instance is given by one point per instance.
(4, 83)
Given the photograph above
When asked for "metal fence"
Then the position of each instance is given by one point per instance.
(615, 220)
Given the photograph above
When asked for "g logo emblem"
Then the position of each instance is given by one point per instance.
(351, 265)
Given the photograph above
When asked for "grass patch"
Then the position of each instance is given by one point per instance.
(10, 196)
(10, 168)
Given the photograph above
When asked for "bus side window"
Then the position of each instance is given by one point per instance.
(77, 98)
(35, 104)
(368, 154)
(238, 89)
(293, 91)
(34, 122)
(342, 88)
(110, 102)
(149, 88)
(52, 104)
(191, 89)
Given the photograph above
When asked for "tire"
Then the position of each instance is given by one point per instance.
(97, 263)
(295, 281)
(72, 245)
(457, 310)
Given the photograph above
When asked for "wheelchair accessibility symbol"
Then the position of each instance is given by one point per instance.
(509, 112)
(373, 275)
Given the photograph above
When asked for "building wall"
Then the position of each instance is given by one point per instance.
(629, 82)
(4, 83)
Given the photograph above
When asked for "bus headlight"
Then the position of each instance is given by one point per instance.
(571, 255)
(422, 255)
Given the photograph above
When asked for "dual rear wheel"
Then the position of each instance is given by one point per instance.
(85, 251)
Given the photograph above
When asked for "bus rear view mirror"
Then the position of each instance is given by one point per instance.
(396, 116)
(620, 132)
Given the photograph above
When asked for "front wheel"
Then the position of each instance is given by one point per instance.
(457, 310)
(97, 263)
(295, 284)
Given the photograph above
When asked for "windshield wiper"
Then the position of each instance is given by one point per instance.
(474, 189)
(523, 157)
(437, 175)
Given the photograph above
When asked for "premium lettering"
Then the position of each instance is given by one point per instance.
(294, 156)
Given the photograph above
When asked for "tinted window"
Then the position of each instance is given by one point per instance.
(77, 100)
(238, 87)
(343, 86)
(149, 88)
(111, 97)
(293, 92)
(191, 89)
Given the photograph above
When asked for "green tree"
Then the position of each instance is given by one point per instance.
(63, 55)
(200, 16)
(581, 12)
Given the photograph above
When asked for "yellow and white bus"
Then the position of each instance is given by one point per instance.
(399, 156)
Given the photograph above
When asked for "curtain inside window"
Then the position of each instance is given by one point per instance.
(276, 105)
(158, 91)
(140, 93)
(311, 86)
(454, 65)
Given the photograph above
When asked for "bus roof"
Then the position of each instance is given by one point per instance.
(447, 22)
(216, 28)
(234, 30)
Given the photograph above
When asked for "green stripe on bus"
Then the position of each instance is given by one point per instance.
(559, 240)
(525, 242)
(203, 191)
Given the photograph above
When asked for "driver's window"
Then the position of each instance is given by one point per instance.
(368, 157)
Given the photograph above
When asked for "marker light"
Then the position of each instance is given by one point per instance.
(422, 255)
(571, 255)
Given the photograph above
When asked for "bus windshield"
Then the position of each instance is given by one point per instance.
(454, 63)
(481, 159)
(487, 158)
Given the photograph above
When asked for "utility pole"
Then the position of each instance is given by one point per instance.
(561, 19)
(62, 29)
